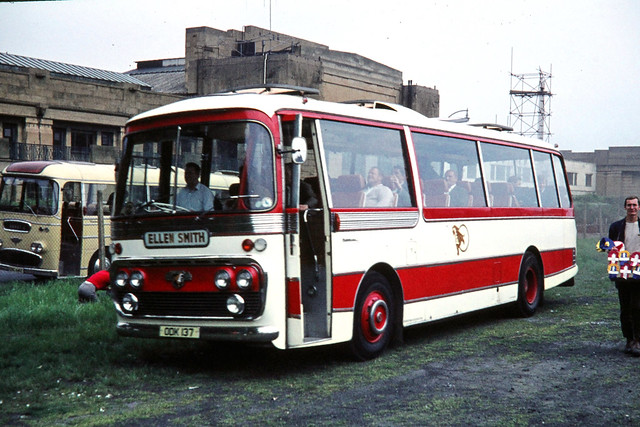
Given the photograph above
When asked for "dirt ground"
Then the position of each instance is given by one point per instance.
(475, 370)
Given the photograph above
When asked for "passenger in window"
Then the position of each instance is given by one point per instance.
(376, 194)
(399, 187)
(524, 196)
(194, 196)
(458, 196)
(548, 193)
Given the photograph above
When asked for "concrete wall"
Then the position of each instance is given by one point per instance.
(618, 171)
(423, 99)
(221, 74)
(213, 64)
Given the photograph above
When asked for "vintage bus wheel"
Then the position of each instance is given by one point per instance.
(373, 318)
(94, 262)
(530, 286)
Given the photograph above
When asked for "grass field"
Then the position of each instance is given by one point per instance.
(62, 363)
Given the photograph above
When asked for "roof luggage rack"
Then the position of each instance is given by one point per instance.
(274, 89)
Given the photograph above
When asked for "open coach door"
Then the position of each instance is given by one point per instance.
(71, 230)
(308, 290)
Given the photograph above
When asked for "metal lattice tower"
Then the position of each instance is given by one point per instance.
(530, 113)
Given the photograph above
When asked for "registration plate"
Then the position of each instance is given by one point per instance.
(180, 331)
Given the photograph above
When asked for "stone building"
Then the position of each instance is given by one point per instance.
(51, 110)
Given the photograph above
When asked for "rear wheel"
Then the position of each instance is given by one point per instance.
(530, 286)
(373, 318)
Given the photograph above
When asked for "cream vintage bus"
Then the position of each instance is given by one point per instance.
(49, 214)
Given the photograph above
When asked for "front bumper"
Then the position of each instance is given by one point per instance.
(29, 270)
(253, 334)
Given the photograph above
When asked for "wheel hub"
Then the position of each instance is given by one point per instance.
(378, 317)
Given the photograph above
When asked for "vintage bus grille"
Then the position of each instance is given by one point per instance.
(194, 304)
(20, 258)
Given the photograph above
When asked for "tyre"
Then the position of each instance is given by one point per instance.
(530, 286)
(94, 262)
(374, 317)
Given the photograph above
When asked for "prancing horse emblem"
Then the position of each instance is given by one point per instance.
(178, 278)
(461, 237)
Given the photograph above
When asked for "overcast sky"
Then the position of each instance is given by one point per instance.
(461, 47)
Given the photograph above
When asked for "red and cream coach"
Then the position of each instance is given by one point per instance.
(330, 222)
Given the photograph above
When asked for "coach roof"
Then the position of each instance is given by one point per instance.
(270, 103)
(67, 170)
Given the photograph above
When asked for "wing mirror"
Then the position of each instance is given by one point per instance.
(299, 150)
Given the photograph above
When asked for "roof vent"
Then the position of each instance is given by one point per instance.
(374, 105)
(493, 126)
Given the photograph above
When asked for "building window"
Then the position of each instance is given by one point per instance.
(10, 131)
(587, 180)
(573, 178)
(59, 142)
(81, 142)
(107, 139)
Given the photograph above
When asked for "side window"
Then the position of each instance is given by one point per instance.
(563, 188)
(310, 191)
(72, 200)
(509, 175)
(367, 166)
(449, 171)
(546, 180)
(71, 192)
(91, 197)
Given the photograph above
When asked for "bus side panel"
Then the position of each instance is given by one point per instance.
(486, 268)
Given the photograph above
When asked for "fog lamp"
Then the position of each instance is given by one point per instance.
(235, 304)
(129, 303)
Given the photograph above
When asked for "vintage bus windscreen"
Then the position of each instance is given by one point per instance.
(238, 168)
(29, 195)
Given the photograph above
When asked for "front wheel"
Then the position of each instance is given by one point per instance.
(530, 286)
(373, 318)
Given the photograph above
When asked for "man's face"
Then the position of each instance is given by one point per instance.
(191, 177)
(631, 207)
(374, 178)
(399, 176)
(451, 178)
